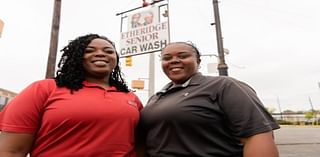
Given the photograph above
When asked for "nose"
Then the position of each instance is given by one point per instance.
(174, 59)
(100, 53)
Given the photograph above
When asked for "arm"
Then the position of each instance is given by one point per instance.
(261, 145)
(15, 144)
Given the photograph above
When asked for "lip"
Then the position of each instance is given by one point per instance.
(176, 67)
(99, 61)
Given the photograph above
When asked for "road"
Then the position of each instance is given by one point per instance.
(298, 141)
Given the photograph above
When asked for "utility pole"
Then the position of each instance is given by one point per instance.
(310, 101)
(222, 66)
(280, 111)
(314, 113)
(51, 64)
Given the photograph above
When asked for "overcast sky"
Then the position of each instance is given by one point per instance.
(273, 44)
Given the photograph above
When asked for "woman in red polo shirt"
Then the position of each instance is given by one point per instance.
(86, 110)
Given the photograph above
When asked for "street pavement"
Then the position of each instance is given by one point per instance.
(298, 141)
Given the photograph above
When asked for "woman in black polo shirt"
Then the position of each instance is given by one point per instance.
(204, 116)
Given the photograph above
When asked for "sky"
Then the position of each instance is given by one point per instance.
(273, 44)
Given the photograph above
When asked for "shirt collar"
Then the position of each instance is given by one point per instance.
(90, 84)
(185, 84)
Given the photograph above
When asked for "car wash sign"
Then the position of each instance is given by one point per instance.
(145, 33)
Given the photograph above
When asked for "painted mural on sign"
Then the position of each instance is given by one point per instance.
(145, 33)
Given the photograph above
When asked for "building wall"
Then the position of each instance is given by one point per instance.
(5, 97)
(296, 117)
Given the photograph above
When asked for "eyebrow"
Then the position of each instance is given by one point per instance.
(177, 53)
(105, 47)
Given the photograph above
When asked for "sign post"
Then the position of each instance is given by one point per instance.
(146, 32)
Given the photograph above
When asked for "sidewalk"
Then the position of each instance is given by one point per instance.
(298, 141)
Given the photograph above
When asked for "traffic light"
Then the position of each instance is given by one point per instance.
(1, 26)
(129, 61)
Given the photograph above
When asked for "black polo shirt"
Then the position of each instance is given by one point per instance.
(204, 117)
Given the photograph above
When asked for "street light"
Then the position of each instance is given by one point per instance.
(211, 66)
(225, 51)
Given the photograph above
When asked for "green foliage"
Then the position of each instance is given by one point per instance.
(284, 122)
(308, 115)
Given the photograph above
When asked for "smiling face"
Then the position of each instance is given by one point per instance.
(99, 59)
(179, 62)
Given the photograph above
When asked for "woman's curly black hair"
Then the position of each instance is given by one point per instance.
(71, 73)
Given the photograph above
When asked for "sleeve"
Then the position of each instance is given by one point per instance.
(244, 111)
(23, 113)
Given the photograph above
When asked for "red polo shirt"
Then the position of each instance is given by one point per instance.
(93, 121)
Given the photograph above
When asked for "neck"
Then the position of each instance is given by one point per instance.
(103, 82)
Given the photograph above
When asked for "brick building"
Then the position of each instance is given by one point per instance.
(5, 97)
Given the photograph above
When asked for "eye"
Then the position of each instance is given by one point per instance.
(166, 58)
(88, 50)
(183, 55)
(109, 51)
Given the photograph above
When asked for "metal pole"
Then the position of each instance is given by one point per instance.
(151, 75)
(54, 39)
(222, 66)
(280, 111)
(312, 111)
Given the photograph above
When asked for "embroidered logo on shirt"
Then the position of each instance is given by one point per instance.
(132, 103)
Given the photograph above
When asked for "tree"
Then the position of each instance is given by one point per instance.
(308, 115)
